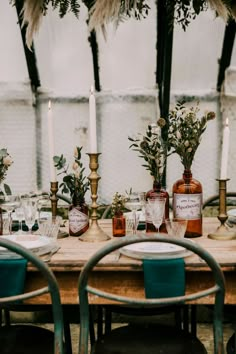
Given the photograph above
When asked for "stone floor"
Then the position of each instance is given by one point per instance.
(204, 332)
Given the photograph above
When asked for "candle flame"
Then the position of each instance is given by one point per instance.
(49, 105)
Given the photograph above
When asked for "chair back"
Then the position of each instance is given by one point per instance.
(51, 288)
(217, 289)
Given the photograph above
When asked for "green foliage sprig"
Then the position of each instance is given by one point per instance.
(5, 162)
(118, 203)
(74, 183)
(152, 149)
(185, 131)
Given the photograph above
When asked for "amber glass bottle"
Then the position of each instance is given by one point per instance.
(78, 217)
(187, 203)
(157, 190)
(118, 225)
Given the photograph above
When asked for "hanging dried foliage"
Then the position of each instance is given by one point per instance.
(101, 12)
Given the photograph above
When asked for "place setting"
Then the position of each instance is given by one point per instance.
(25, 223)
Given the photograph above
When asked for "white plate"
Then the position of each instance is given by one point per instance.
(154, 250)
(38, 244)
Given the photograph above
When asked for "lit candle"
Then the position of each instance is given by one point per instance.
(225, 151)
(92, 122)
(53, 175)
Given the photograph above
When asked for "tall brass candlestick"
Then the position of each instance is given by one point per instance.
(222, 232)
(94, 233)
(53, 197)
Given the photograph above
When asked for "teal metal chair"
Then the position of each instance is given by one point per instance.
(158, 339)
(28, 339)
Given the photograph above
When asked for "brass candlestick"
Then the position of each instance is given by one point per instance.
(222, 232)
(94, 233)
(53, 197)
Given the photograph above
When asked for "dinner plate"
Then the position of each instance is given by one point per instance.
(154, 250)
(37, 244)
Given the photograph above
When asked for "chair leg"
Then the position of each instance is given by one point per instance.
(100, 322)
(108, 320)
(91, 326)
(67, 334)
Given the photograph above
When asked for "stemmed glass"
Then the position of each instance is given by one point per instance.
(10, 203)
(157, 209)
(42, 200)
(19, 211)
(30, 208)
(133, 203)
(176, 227)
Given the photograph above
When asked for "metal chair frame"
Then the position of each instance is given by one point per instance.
(51, 289)
(218, 289)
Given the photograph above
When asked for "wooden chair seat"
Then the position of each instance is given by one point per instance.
(151, 340)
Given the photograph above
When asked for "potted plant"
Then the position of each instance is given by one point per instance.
(185, 130)
(76, 185)
(118, 219)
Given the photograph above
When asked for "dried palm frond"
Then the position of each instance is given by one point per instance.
(221, 8)
(32, 15)
(101, 12)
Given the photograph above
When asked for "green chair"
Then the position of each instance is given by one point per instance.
(30, 339)
(158, 339)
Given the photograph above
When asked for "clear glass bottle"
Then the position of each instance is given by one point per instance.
(187, 203)
(78, 216)
(157, 190)
(118, 225)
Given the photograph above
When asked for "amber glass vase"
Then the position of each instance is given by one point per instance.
(156, 191)
(78, 216)
(187, 203)
(118, 225)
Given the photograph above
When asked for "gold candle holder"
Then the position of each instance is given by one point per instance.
(53, 197)
(222, 232)
(94, 232)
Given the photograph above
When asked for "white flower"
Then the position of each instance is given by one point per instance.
(178, 135)
(7, 161)
(190, 149)
(186, 144)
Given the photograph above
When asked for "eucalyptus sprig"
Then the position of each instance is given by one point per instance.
(74, 183)
(5, 162)
(152, 148)
(118, 203)
(185, 131)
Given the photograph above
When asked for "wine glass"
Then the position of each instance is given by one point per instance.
(157, 208)
(42, 201)
(133, 203)
(10, 203)
(30, 208)
(176, 227)
(19, 211)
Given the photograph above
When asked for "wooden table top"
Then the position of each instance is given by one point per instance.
(73, 253)
(124, 274)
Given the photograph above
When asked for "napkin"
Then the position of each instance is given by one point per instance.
(164, 278)
(12, 276)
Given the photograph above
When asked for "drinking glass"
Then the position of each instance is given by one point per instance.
(10, 203)
(42, 201)
(157, 208)
(19, 211)
(176, 227)
(133, 203)
(30, 208)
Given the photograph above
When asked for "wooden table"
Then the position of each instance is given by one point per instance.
(124, 275)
